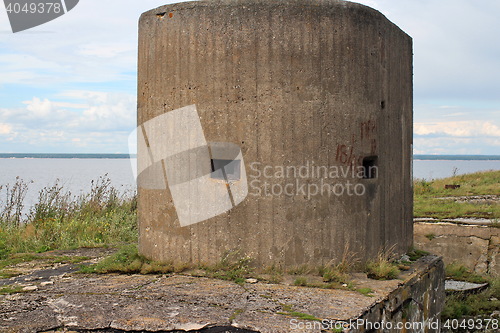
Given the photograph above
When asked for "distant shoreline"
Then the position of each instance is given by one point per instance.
(65, 156)
(126, 156)
(457, 157)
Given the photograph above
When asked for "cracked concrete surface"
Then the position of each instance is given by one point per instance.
(139, 302)
(177, 303)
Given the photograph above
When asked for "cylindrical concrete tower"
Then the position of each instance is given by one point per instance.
(278, 129)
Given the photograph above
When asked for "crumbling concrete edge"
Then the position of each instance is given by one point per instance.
(422, 290)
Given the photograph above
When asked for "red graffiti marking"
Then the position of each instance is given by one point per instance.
(341, 154)
(367, 129)
(346, 155)
(373, 147)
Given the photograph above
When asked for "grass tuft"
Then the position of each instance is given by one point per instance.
(300, 281)
(415, 254)
(365, 291)
(127, 260)
(430, 236)
(233, 266)
(382, 268)
(288, 311)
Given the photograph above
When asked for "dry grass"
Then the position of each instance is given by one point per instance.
(383, 267)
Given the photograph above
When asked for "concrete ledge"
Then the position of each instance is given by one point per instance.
(474, 246)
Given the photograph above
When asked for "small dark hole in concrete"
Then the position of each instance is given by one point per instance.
(370, 167)
(225, 169)
(161, 15)
(382, 104)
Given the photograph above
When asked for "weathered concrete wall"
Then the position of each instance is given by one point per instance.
(290, 82)
(475, 247)
(416, 305)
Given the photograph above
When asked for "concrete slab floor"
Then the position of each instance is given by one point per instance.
(172, 303)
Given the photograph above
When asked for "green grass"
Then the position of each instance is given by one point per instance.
(430, 236)
(101, 218)
(461, 273)
(69, 259)
(17, 258)
(336, 273)
(127, 260)
(335, 276)
(10, 289)
(12, 260)
(415, 254)
(288, 311)
(235, 314)
(428, 204)
(382, 268)
(300, 315)
(365, 291)
(300, 281)
(61, 221)
(233, 267)
(482, 304)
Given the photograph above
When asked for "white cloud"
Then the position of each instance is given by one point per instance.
(105, 50)
(457, 114)
(458, 129)
(96, 120)
(22, 61)
(452, 146)
(40, 108)
(70, 105)
(5, 128)
(103, 111)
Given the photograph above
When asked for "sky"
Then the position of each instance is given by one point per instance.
(69, 86)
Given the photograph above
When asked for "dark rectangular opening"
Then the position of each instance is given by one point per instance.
(370, 167)
(225, 169)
